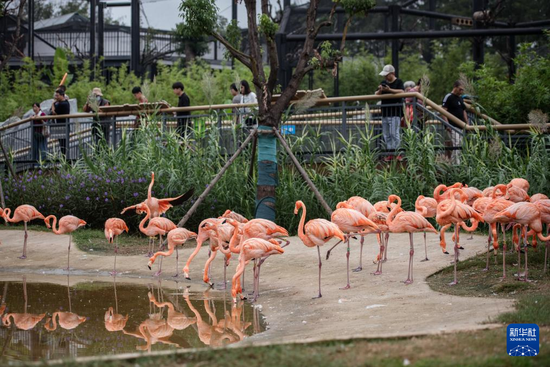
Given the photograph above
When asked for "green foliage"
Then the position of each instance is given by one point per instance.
(233, 36)
(325, 56)
(200, 17)
(353, 7)
(267, 26)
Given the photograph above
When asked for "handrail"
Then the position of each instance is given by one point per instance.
(428, 102)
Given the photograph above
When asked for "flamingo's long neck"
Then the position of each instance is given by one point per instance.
(142, 227)
(234, 240)
(7, 213)
(437, 192)
(452, 205)
(149, 195)
(502, 188)
(301, 232)
(55, 230)
(394, 211)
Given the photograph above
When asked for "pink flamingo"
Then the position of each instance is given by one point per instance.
(383, 237)
(157, 206)
(67, 225)
(223, 233)
(23, 213)
(350, 221)
(426, 207)
(519, 182)
(253, 248)
(316, 233)
(176, 237)
(538, 197)
(113, 228)
(526, 214)
(544, 207)
(156, 227)
(203, 235)
(236, 216)
(496, 205)
(451, 211)
(438, 196)
(410, 222)
(516, 194)
(364, 207)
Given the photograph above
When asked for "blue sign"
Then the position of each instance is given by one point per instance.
(288, 129)
(522, 340)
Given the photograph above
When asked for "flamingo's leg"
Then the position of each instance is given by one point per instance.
(114, 272)
(455, 281)
(69, 254)
(425, 248)
(360, 267)
(332, 248)
(320, 265)
(386, 243)
(409, 279)
(347, 258)
(177, 262)
(381, 253)
(24, 255)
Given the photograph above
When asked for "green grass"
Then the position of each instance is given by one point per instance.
(479, 348)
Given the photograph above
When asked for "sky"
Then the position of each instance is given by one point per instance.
(164, 14)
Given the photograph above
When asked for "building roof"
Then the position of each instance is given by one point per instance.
(70, 18)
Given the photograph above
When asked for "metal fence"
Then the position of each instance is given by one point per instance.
(332, 127)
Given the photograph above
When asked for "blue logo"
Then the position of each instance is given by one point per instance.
(522, 340)
(288, 129)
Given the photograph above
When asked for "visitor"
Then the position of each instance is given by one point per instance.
(247, 96)
(101, 125)
(183, 120)
(61, 106)
(392, 110)
(63, 88)
(454, 104)
(40, 133)
(140, 97)
(236, 99)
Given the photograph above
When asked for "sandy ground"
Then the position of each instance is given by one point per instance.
(374, 307)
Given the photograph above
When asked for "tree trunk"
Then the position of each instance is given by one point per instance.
(267, 174)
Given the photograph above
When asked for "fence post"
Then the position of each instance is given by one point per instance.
(344, 120)
(67, 139)
(415, 116)
(113, 134)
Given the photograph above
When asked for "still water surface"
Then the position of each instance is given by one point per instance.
(42, 321)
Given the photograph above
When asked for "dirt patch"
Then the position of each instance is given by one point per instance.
(375, 306)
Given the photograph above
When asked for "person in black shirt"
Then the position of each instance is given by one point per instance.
(392, 109)
(61, 107)
(454, 104)
(183, 121)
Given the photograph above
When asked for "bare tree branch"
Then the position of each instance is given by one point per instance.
(17, 37)
(241, 56)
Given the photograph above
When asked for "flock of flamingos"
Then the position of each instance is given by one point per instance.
(508, 205)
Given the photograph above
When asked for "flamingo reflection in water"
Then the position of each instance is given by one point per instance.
(113, 320)
(22, 321)
(67, 320)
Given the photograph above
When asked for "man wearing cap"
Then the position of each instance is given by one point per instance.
(100, 126)
(392, 109)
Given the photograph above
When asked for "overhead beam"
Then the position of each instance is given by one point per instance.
(426, 34)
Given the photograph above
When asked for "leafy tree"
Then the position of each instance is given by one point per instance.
(201, 18)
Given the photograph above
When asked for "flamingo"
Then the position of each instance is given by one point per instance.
(544, 207)
(158, 226)
(383, 237)
(223, 232)
(350, 221)
(176, 237)
(67, 225)
(236, 216)
(451, 211)
(316, 233)
(438, 196)
(203, 235)
(426, 207)
(410, 222)
(253, 248)
(526, 214)
(519, 182)
(496, 205)
(538, 197)
(157, 206)
(364, 207)
(23, 213)
(473, 193)
(113, 228)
